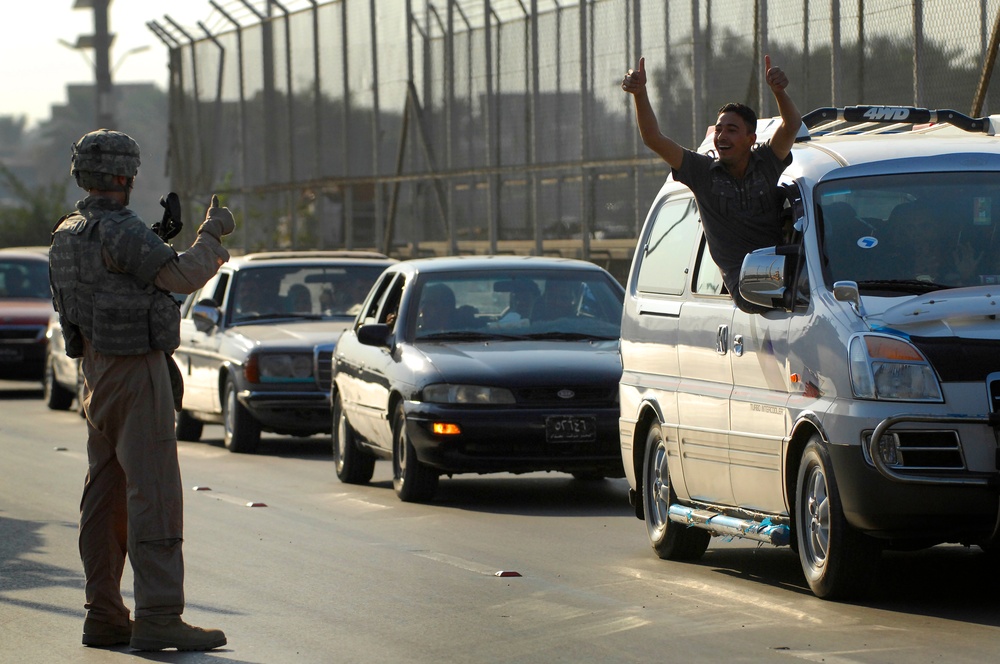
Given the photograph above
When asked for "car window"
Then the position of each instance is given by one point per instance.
(389, 308)
(371, 305)
(24, 279)
(300, 291)
(667, 250)
(520, 304)
(708, 276)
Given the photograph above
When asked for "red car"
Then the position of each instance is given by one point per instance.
(25, 307)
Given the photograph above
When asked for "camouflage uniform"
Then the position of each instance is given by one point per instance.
(111, 277)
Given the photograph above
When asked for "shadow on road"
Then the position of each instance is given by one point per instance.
(949, 581)
(20, 391)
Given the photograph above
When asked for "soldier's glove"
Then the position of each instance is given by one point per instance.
(219, 221)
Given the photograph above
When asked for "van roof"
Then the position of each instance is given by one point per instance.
(837, 138)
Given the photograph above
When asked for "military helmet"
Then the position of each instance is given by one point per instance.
(105, 151)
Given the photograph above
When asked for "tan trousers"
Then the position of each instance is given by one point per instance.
(132, 499)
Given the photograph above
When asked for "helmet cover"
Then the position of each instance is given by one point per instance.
(104, 151)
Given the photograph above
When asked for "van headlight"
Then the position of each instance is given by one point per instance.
(890, 369)
(467, 394)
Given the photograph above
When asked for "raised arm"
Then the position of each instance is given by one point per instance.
(634, 83)
(791, 119)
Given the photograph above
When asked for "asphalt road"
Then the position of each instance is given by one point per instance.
(323, 572)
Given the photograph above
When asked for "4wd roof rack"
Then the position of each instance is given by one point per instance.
(877, 119)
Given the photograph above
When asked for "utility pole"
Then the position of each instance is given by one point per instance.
(100, 41)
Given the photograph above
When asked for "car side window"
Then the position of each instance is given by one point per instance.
(214, 289)
(375, 298)
(389, 309)
(708, 276)
(667, 250)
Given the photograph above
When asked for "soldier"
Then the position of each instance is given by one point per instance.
(111, 278)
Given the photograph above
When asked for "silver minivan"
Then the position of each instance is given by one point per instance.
(862, 411)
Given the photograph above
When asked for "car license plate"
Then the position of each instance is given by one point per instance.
(11, 355)
(570, 429)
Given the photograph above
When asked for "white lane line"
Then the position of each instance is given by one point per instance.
(460, 563)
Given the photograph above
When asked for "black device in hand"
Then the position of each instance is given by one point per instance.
(171, 223)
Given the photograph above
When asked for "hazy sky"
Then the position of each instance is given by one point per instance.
(35, 67)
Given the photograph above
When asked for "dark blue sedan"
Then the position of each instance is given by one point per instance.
(480, 365)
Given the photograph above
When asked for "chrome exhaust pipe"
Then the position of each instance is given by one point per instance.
(720, 524)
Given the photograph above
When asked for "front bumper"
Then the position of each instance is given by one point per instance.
(291, 413)
(23, 361)
(512, 440)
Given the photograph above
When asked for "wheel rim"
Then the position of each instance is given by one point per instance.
(816, 510)
(49, 380)
(341, 438)
(230, 411)
(399, 454)
(658, 482)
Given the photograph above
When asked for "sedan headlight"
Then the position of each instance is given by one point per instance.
(891, 369)
(280, 368)
(467, 394)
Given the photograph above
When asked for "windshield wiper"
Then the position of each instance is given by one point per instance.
(275, 316)
(456, 335)
(569, 336)
(902, 285)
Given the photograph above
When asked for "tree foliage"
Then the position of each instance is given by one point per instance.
(30, 219)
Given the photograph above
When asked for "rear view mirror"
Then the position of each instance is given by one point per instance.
(205, 314)
(763, 278)
(374, 334)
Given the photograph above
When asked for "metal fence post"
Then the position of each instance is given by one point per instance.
(376, 123)
(697, 91)
(242, 121)
(585, 128)
(918, 52)
(835, 54)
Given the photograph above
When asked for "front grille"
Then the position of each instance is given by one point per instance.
(923, 450)
(323, 358)
(957, 359)
(582, 396)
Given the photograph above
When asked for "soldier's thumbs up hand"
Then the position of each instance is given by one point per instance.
(219, 221)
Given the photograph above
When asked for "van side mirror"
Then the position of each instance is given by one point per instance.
(205, 314)
(764, 278)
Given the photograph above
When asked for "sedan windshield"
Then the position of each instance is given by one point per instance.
(534, 305)
(24, 279)
(312, 292)
(912, 233)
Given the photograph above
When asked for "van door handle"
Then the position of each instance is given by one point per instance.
(722, 340)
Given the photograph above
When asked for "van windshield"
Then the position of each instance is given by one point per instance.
(911, 233)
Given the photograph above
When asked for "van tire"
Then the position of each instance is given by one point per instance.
(670, 540)
(838, 561)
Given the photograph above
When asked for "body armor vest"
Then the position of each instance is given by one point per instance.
(119, 313)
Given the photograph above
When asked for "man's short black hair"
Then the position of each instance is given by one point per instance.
(748, 114)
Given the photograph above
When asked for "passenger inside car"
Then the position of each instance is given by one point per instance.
(437, 308)
(256, 294)
(299, 299)
(558, 301)
(523, 295)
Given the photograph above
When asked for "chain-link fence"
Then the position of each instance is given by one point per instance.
(497, 126)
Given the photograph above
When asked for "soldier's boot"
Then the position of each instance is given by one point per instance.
(100, 634)
(162, 632)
